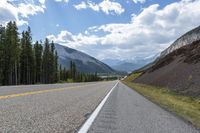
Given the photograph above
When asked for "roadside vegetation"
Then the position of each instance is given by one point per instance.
(184, 106)
(25, 62)
(132, 76)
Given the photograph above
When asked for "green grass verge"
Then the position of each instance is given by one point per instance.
(132, 76)
(184, 106)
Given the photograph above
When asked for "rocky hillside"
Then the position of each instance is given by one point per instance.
(179, 67)
(186, 39)
(84, 62)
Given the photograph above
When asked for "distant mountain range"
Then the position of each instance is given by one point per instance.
(178, 67)
(84, 62)
(128, 65)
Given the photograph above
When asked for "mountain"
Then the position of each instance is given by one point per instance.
(186, 39)
(113, 62)
(128, 65)
(179, 70)
(84, 62)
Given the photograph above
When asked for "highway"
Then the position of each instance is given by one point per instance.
(126, 111)
(66, 108)
(49, 108)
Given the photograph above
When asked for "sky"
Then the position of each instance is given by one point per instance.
(105, 29)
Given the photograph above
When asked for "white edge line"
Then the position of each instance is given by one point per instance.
(86, 126)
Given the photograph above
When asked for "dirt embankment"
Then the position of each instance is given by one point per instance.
(178, 71)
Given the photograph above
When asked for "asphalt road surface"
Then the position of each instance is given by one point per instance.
(57, 108)
(61, 108)
(126, 111)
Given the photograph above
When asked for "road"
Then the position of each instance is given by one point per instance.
(126, 111)
(53, 108)
(65, 108)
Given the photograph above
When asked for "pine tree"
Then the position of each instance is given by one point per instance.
(23, 59)
(27, 62)
(10, 54)
(15, 54)
(7, 54)
(56, 67)
(60, 73)
(52, 62)
(45, 62)
(73, 71)
(38, 49)
(70, 70)
(2, 44)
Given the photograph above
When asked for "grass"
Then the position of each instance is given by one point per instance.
(184, 106)
(132, 76)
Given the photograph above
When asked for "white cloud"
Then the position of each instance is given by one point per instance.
(42, 1)
(18, 12)
(147, 33)
(108, 6)
(25, 10)
(66, 37)
(139, 1)
(80, 6)
(93, 6)
(66, 1)
(105, 6)
(63, 37)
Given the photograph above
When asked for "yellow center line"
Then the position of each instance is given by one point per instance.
(38, 92)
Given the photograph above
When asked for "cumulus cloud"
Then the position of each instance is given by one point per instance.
(24, 10)
(147, 33)
(80, 6)
(63, 37)
(19, 12)
(105, 6)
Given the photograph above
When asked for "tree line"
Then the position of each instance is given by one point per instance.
(22, 62)
(73, 75)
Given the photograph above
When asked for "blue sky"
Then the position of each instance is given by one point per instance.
(106, 29)
(63, 16)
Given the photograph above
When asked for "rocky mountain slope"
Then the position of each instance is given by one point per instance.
(84, 62)
(179, 70)
(187, 38)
